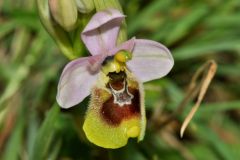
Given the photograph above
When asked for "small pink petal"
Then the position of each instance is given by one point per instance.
(77, 79)
(151, 60)
(128, 46)
(101, 32)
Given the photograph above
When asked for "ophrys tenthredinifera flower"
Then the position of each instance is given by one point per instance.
(114, 75)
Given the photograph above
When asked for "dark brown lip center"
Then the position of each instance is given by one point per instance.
(113, 113)
(124, 102)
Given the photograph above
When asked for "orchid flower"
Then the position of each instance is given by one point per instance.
(114, 75)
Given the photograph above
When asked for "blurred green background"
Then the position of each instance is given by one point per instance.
(32, 126)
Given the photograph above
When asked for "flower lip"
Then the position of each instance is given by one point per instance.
(114, 114)
(125, 112)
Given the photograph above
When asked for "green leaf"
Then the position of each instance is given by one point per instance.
(45, 135)
(198, 50)
(214, 140)
(22, 70)
(186, 23)
(219, 106)
(6, 28)
(145, 16)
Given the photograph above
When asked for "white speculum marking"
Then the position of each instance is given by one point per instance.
(122, 96)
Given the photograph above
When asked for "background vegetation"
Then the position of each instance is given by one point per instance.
(32, 126)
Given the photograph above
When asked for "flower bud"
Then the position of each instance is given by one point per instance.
(85, 6)
(64, 12)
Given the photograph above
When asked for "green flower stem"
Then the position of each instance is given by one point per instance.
(78, 46)
(106, 4)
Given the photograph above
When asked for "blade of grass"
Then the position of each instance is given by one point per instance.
(54, 154)
(6, 28)
(223, 21)
(32, 130)
(45, 134)
(23, 70)
(195, 51)
(213, 140)
(219, 106)
(145, 15)
(14, 145)
(19, 43)
(229, 70)
(183, 27)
